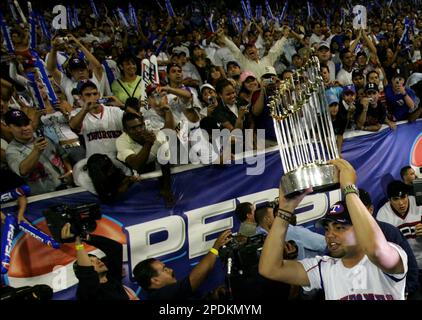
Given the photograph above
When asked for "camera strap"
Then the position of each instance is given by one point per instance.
(127, 92)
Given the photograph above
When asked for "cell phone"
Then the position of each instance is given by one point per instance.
(267, 80)
(39, 133)
(210, 100)
(104, 100)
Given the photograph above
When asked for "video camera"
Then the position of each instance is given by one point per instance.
(244, 252)
(39, 292)
(417, 190)
(82, 219)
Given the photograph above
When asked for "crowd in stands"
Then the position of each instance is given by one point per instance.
(107, 126)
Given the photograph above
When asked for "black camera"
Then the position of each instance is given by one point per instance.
(244, 252)
(417, 191)
(82, 219)
(39, 292)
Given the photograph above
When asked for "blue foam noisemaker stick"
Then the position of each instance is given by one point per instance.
(46, 81)
(6, 34)
(7, 241)
(75, 17)
(160, 47)
(245, 10)
(122, 17)
(210, 23)
(37, 93)
(132, 14)
(258, 12)
(169, 8)
(284, 12)
(94, 9)
(32, 27)
(249, 7)
(38, 234)
(44, 29)
(269, 11)
(13, 194)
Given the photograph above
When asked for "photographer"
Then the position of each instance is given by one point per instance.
(160, 282)
(401, 101)
(36, 159)
(370, 112)
(99, 279)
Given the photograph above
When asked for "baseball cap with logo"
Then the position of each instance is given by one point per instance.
(76, 63)
(357, 73)
(180, 50)
(337, 213)
(371, 87)
(206, 85)
(16, 117)
(323, 44)
(397, 188)
(331, 99)
(269, 72)
(349, 88)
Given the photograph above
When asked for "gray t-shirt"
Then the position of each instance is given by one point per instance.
(45, 177)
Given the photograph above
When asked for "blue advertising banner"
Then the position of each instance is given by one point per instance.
(206, 199)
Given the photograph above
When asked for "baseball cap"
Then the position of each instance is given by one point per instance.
(349, 88)
(269, 71)
(337, 213)
(397, 188)
(331, 99)
(206, 85)
(150, 89)
(371, 87)
(246, 74)
(16, 117)
(76, 63)
(85, 84)
(232, 63)
(323, 44)
(357, 73)
(181, 49)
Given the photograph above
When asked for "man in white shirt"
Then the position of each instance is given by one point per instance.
(402, 212)
(77, 70)
(140, 148)
(344, 76)
(100, 125)
(249, 59)
(362, 266)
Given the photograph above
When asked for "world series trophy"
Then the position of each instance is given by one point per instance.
(304, 131)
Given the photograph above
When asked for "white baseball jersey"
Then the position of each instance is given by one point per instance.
(406, 224)
(364, 281)
(101, 130)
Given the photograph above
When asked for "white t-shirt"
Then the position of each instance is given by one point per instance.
(67, 85)
(344, 77)
(160, 150)
(222, 56)
(406, 225)
(364, 281)
(101, 131)
(82, 178)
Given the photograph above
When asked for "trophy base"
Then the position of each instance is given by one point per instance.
(321, 177)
